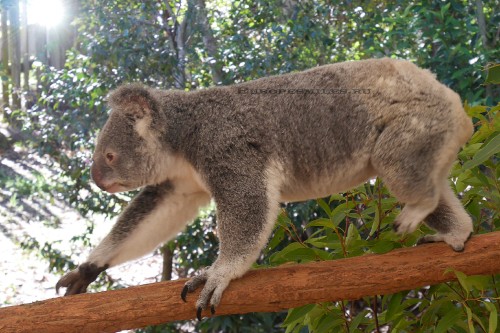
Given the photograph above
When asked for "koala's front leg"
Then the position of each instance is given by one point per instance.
(157, 214)
(245, 217)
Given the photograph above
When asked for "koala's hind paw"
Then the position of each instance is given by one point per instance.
(78, 280)
(456, 243)
(215, 284)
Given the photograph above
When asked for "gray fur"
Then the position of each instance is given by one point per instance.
(143, 204)
(439, 219)
(251, 145)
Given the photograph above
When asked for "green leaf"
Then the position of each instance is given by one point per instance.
(488, 150)
(338, 217)
(493, 320)
(376, 223)
(336, 197)
(479, 282)
(297, 314)
(298, 253)
(352, 234)
(329, 324)
(281, 254)
(357, 320)
(448, 320)
(394, 306)
(321, 222)
(493, 74)
(469, 320)
(382, 246)
(322, 254)
(445, 8)
(301, 254)
(432, 310)
(325, 207)
(462, 279)
(479, 321)
(278, 236)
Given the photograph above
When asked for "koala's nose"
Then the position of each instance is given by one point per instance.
(96, 175)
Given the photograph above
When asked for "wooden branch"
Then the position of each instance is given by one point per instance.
(264, 290)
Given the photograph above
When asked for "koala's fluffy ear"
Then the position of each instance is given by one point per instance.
(134, 100)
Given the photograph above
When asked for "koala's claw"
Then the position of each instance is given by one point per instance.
(193, 283)
(401, 228)
(184, 293)
(215, 284)
(424, 240)
(198, 312)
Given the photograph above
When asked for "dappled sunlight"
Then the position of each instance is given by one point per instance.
(48, 13)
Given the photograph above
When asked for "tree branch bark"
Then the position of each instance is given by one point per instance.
(263, 290)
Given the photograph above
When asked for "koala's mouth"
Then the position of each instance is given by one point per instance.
(116, 187)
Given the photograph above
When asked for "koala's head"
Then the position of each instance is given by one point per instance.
(129, 153)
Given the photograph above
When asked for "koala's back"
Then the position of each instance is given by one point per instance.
(323, 123)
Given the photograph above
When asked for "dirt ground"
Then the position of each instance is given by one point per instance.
(25, 275)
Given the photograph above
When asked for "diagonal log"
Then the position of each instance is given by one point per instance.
(263, 290)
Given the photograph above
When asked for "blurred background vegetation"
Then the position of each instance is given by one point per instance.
(61, 58)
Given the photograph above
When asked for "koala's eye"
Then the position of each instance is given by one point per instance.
(110, 158)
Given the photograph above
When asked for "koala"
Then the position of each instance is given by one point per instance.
(277, 139)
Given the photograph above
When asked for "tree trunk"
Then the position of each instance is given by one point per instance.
(210, 44)
(178, 35)
(25, 41)
(5, 58)
(481, 21)
(168, 261)
(261, 290)
(15, 48)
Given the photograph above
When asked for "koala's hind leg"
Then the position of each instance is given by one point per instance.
(450, 220)
(413, 157)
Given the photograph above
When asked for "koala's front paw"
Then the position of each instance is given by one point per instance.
(216, 282)
(405, 226)
(78, 280)
(194, 282)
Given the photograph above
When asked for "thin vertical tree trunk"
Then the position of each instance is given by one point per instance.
(25, 41)
(15, 48)
(481, 22)
(210, 44)
(178, 34)
(5, 57)
(168, 260)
